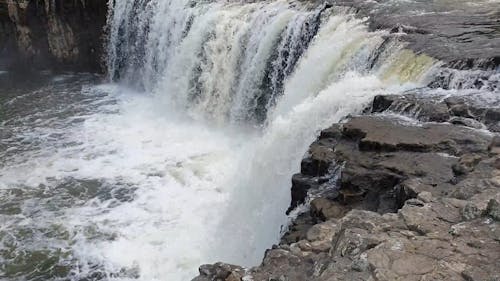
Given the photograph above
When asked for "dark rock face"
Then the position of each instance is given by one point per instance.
(220, 272)
(456, 110)
(67, 34)
(382, 153)
(412, 201)
(52, 34)
(465, 35)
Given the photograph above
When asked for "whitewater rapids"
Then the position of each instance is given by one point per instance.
(186, 156)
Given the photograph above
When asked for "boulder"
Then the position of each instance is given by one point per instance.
(220, 272)
(324, 209)
(301, 184)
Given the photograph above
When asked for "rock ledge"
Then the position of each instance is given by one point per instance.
(391, 198)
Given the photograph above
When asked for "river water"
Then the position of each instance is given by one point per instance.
(184, 154)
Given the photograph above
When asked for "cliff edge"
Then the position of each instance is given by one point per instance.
(54, 34)
(393, 198)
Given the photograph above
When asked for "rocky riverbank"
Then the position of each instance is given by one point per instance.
(57, 34)
(407, 191)
(410, 190)
(393, 198)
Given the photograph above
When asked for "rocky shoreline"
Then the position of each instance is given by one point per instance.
(393, 198)
(410, 190)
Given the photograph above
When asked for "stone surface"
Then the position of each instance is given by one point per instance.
(52, 34)
(325, 209)
(463, 34)
(466, 111)
(62, 33)
(412, 201)
(301, 184)
(220, 272)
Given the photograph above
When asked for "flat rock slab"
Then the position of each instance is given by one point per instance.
(403, 211)
(464, 34)
(413, 201)
(394, 134)
(478, 109)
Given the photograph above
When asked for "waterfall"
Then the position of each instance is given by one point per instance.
(248, 86)
(185, 156)
(226, 62)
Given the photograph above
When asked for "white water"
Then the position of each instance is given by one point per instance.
(207, 142)
(215, 74)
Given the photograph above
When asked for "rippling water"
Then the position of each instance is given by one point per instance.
(86, 167)
(98, 182)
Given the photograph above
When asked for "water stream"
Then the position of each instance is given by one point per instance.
(185, 156)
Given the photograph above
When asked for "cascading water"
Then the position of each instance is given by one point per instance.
(187, 158)
(288, 68)
(227, 60)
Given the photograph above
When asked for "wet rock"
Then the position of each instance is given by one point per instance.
(492, 115)
(301, 184)
(412, 106)
(53, 34)
(399, 159)
(494, 127)
(331, 133)
(298, 229)
(468, 122)
(463, 36)
(318, 162)
(380, 134)
(463, 111)
(382, 103)
(325, 209)
(494, 147)
(416, 201)
(219, 272)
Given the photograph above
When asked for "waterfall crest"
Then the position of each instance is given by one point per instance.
(186, 156)
(229, 62)
(284, 69)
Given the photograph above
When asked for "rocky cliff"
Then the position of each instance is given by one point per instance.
(52, 34)
(68, 34)
(410, 190)
(388, 197)
(393, 198)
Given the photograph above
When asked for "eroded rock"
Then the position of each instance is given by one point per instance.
(413, 201)
(52, 34)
